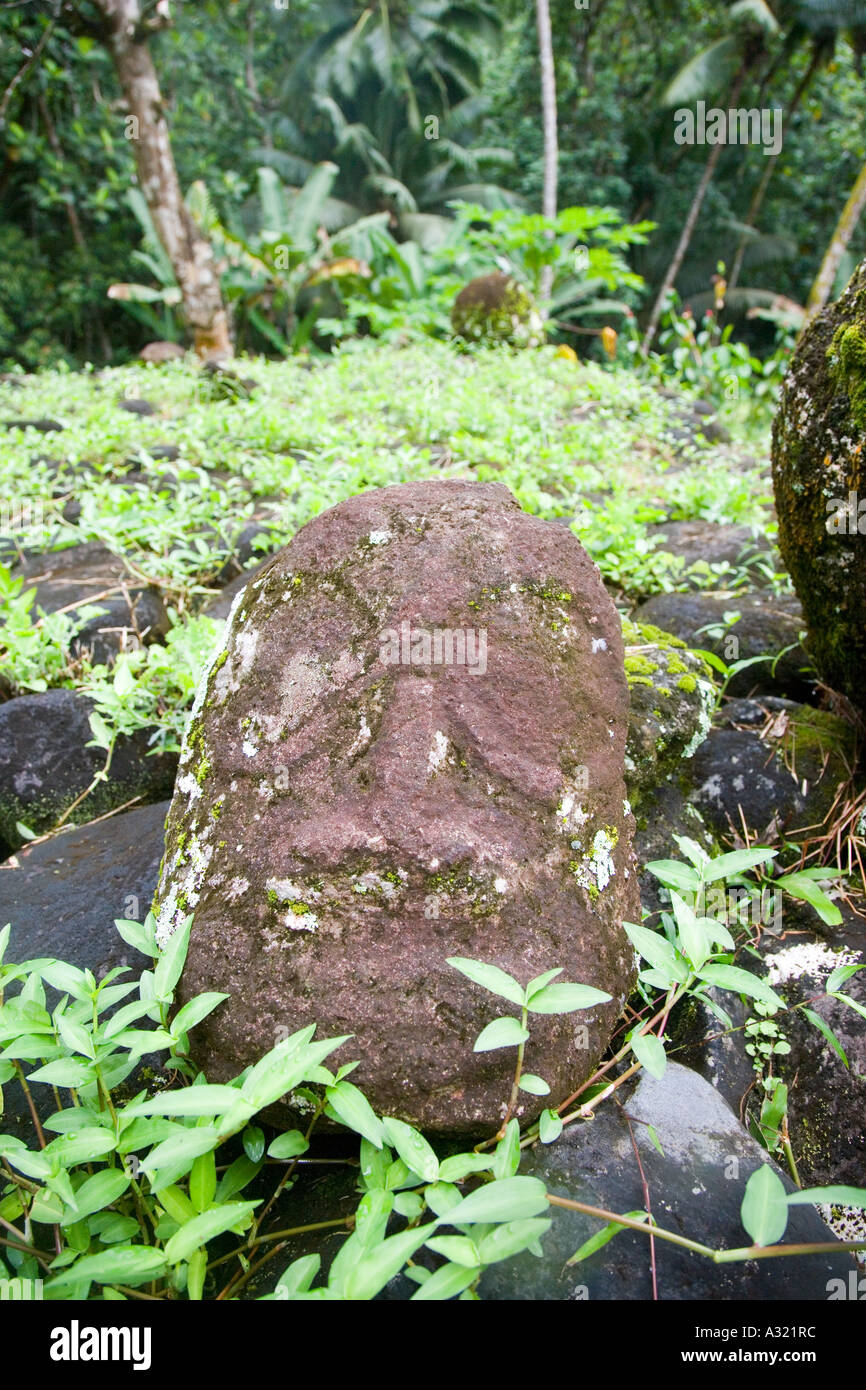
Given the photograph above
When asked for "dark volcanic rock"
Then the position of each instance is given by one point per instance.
(132, 614)
(767, 626)
(708, 543)
(61, 899)
(819, 477)
(496, 309)
(136, 407)
(783, 773)
(345, 821)
(45, 765)
(42, 426)
(695, 1189)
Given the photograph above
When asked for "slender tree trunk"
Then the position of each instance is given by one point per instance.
(688, 229)
(769, 168)
(190, 253)
(551, 144)
(845, 227)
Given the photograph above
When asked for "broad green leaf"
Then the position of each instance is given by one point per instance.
(377, 1268)
(549, 1126)
(206, 1227)
(510, 1238)
(203, 1179)
(736, 863)
(696, 946)
(124, 1264)
(80, 1146)
(445, 1283)
(185, 1145)
(300, 1274)
(540, 981)
(489, 977)
(235, 1178)
(353, 1109)
(66, 1071)
(840, 975)
(837, 1194)
(138, 935)
(97, 1192)
(171, 961)
(566, 999)
(741, 982)
(764, 1211)
(502, 1032)
(442, 1197)
(460, 1249)
(650, 1052)
(534, 1085)
(253, 1140)
(75, 1036)
(827, 1032)
(674, 875)
(288, 1145)
(192, 1100)
(413, 1148)
(506, 1155)
(505, 1199)
(461, 1165)
(806, 890)
(195, 1010)
(659, 952)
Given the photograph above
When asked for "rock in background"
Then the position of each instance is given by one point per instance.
(345, 821)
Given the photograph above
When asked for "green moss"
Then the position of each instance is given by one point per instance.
(202, 771)
(846, 357)
(688, 683)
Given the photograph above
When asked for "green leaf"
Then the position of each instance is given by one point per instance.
(840, 975)
(533, 1085)
(806, 890)
(736, 863)
(656, 1142)
(601, 1238)
(185, 1145)
(461, 1165)
(192, 1100)
(510, 1238)
(837, 1195)
(502, 1032)
(203, 1180)
(353, 1109)
(171, 961)
(695, 944)
(206, 1227)
(764, 1211)
(413, 1148)
(538, 984)
(490, 977)
(741, 982)
(566, 999)
(674, 875)
(827, 1032)
(288, 1145)
(124, 1264)
(377, 1268)
(235, 1178)
(81, 1146)
(460, 1249)
(505, 1199)
(506, 1155)
(447, 1282)
(300, 1274)
(195, 1010)
(97, 1192)
(650, 1052)
(253, 1140)
(549, 1126)
(659, 952)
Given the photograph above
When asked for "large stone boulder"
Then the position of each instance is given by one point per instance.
(495, 310)
(409, 747)
(819, 476)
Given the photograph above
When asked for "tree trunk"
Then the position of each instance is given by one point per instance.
(688, 229)
(190, 253)
(845, 227)
(551, 145)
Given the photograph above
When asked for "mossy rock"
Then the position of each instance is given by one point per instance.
(496, 311)
(671, 696)
(819, 478)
